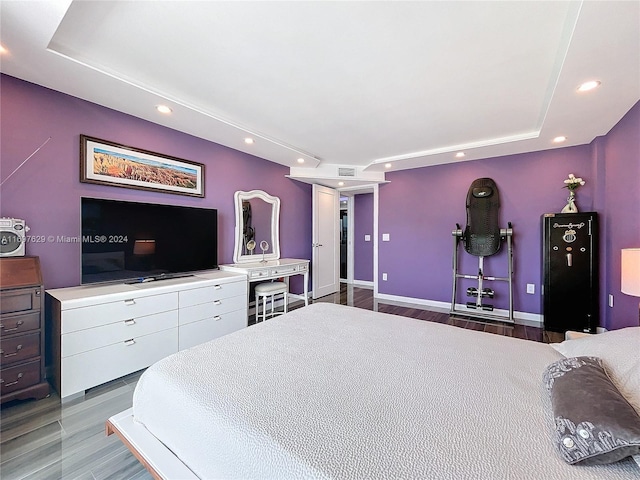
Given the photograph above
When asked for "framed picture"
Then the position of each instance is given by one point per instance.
(108, 163)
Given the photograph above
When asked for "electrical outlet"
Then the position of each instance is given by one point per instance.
(385, 237)
(611, 300)
(367, 238)
(531, 288)
(384, 277)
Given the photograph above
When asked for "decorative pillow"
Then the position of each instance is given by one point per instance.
(620, 352)
(594, 423)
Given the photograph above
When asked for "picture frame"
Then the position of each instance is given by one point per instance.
(107, 163)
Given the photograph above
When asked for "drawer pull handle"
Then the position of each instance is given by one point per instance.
(131, 321)
(129, 342)
(20, 375)
(217, 317)
(217, 287)
(130, 301)
(17, 327)
(217, 302)
(18, 348)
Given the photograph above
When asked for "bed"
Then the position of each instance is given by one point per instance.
(330, 391)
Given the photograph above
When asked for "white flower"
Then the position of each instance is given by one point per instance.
(573, 182)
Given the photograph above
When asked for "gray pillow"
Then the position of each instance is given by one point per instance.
(619, 350)
(594, 423)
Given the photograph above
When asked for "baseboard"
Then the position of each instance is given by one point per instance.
(432, 305)
(362, 284)
(521, 318)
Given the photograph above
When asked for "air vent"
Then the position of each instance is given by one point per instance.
(346, 172)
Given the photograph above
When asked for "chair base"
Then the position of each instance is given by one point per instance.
(269, 291)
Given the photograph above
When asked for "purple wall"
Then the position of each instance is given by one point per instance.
(363, 225)
(46, 191)
(419, 208)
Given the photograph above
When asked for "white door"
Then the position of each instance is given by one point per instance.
(325, 262)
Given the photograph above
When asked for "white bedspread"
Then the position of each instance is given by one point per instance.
(329, 391)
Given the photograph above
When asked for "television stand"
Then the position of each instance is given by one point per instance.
(103, 332)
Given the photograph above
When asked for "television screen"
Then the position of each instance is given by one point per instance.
(129, 241)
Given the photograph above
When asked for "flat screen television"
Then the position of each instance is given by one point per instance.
(134, 242)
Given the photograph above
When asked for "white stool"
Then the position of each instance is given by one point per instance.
(270, 289)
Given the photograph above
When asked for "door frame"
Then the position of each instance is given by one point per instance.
(350, 192)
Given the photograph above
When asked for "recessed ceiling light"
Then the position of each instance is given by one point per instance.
(387, 165)
(459, 154)
(340, 184)
(559, 139)
(590, 85)
(2, 49)
(163, 109)
(248, 141)
(301, 160)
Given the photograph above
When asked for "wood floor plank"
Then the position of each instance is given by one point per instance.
(31, 440)
(14, 427)
(82, 459)
(122, 465)
(93, 419)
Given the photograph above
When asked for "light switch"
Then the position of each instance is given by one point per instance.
(367, 238)
(531, 288)
(385, 237)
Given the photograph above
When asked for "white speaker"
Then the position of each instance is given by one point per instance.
(12, 237)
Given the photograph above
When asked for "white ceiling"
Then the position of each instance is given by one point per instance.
(342, 84)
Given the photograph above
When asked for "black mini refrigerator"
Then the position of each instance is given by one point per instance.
(570, 272)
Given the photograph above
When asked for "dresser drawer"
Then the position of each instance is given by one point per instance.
(96, 367)
(19, 348)
(253, 274)
(105, 313)
(14, 324)
(211, 309)
(84, 340)
(284, 270)
(202, 331)
(202, 295)
(19, 377)
(23, 300)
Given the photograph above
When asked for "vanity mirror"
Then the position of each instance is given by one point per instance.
(257, 221)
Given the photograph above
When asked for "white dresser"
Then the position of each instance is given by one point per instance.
(100, 333)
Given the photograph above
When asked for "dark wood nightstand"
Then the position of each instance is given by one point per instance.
(22, 333)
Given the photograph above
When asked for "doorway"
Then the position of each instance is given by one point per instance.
(344, 238)
(358, 214)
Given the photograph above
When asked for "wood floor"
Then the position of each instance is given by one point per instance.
(45, 439)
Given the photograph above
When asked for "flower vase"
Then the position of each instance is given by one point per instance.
(570, 207)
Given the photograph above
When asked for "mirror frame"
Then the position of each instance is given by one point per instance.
(241, 196)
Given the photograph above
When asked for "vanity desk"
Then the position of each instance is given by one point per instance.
(258, 223)
(272, 269)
